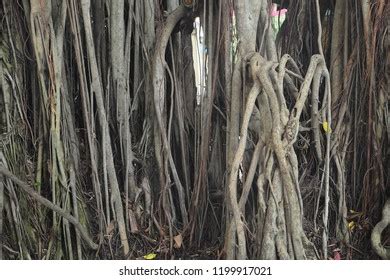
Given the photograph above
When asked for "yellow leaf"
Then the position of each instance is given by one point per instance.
(355, 212)
(326, 127)
(150, 256)
(351, 225)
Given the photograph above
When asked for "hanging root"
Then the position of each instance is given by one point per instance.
(83, 232)
(159, 65)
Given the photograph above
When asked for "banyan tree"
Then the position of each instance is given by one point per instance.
(226, 129)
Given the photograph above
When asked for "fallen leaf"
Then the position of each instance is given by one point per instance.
(351, 225)
(110, 227)
(326, 127)
(178, 241)
(150, 256)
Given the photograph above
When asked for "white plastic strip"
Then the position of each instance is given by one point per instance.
(191, 269)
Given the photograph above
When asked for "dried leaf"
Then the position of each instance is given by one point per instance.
(110, 227)
(178, 241)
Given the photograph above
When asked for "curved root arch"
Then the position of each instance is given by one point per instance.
(376, 242)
